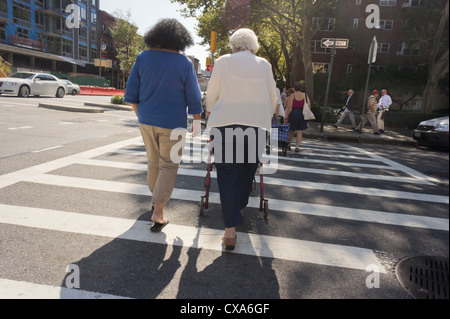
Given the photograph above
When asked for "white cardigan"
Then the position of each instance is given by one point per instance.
(241, 91)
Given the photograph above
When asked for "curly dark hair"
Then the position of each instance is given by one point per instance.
(168, 34)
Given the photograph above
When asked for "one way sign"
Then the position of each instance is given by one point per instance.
(328, 43)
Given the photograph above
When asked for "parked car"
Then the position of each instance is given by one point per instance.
(25, 84)
(433, 133)
(72, 88)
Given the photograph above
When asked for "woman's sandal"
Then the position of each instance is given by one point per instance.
(157, 227)
(229, 243)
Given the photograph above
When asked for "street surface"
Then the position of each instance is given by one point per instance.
(74, 216)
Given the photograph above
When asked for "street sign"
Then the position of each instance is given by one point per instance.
(210, 68)
(373, 51)
(328, 43)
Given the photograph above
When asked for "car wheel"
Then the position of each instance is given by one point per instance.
(74, 92)
(60, 93)
(24, 91)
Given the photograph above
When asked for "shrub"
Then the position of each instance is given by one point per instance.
(117, 99)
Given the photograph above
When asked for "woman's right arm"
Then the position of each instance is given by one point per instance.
(133, 86)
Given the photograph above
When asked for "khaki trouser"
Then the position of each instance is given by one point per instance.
(380, 120)
(370, 117)
(162, 169)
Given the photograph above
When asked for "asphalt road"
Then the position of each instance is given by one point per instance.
(74, 217)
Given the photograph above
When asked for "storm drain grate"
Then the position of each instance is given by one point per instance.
(424, 277)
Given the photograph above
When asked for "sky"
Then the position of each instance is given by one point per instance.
(145, 13)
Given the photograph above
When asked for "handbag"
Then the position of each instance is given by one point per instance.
(307, 113)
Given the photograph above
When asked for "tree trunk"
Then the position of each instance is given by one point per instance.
(438, 68)
(307, 56)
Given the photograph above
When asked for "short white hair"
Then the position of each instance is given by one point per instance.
(244, 40)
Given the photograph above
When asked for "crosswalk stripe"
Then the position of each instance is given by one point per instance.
(192, 237)
(400, 179)
(11, 289)
(288, 183)
(275, 204)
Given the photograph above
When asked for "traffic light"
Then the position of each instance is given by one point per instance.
(208, 61)
(213, 41)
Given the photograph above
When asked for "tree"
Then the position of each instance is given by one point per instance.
(284, 29)
(438, 67)
(429, 36)
(128, 43)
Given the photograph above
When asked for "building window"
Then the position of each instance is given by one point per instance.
(82, 51)
(412, 3)
(349, 68)
(21, 13)
(320, 68)
(388, 3)
(317, 48)
(403, 50)
(386, 24)
(383, 47)
(323, 24)
(355, 23)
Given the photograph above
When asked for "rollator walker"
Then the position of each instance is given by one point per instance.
(204, 203)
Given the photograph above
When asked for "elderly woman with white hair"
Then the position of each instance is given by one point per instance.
(241, 101)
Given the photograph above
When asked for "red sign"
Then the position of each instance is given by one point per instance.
(210, 68)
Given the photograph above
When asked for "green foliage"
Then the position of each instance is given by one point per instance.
(128, 43)
(117, 99)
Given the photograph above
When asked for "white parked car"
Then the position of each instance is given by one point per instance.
(25, 84)
(72, 88)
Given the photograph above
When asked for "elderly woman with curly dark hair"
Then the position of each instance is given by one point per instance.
(161, 87)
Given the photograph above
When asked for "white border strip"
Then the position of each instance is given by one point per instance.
(192, 237)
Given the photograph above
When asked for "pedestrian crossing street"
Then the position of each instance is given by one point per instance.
(322, 168)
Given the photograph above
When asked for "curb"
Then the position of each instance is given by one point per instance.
(79, 109)
(110, 106)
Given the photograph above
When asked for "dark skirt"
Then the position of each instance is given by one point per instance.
(297, 120)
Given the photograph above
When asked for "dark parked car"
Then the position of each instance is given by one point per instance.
(433, 133)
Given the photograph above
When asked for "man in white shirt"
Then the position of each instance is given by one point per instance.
(383, 107)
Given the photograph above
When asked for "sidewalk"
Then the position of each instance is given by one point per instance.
(345, 134)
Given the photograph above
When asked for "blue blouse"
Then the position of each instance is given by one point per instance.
(165, 87)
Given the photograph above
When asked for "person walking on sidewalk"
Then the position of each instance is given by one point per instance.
(383, 107)
(161, 87)
(370, 116)
(349, 109)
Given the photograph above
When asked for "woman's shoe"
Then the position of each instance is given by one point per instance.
(297, 150)
(229, 243)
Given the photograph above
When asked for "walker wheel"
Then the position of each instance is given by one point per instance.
(202, 206)
(266, 209)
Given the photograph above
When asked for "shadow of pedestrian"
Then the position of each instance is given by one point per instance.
(126, 267)
(230, 276)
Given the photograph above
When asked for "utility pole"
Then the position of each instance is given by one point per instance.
(372, 59)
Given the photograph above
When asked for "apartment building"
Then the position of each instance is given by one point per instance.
(349, 22)
(34, 34)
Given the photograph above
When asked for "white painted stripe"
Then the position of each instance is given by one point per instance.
(362, 215)
(197, 159)
(289, 183)
(10, 289)
(15, 177)
(401, 167)
(192, 237)
(48, 149)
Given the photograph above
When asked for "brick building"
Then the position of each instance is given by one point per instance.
(349, 21)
